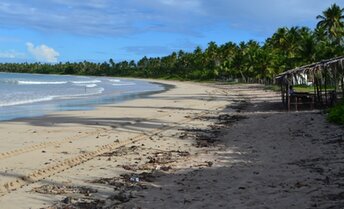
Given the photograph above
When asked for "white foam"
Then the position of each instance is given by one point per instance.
(124, 84)
(115, 80)
(44, 99)
(83, 82)
(91, 85)
(49, 98)
(87, 85)
(40, 82)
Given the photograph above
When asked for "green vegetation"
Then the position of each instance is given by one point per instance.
(244, 62)
(336, 114)
(273, 87)
(303, 88)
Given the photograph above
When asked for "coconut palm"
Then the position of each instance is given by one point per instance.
(307, 48)
(332, 21)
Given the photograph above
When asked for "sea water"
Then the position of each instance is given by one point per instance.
(29, 95)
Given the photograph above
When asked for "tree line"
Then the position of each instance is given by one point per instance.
(248, 61)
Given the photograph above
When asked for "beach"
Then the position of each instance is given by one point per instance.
(192, 146)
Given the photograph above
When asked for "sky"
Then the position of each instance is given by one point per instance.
(54, 31)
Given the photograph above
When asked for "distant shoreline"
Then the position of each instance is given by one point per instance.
(45, 107)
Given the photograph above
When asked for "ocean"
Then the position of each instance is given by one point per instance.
(31, 95)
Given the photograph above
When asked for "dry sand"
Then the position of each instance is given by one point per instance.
(194, 146)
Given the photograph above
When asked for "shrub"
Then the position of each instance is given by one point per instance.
(336, 114)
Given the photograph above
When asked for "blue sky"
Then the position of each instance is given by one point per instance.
(97, 30)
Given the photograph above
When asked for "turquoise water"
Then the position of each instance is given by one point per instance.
(29, 95)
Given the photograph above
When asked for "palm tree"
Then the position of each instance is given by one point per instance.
(284, 44)
(211, 58)
(332, 21)
(307, 49)
(279, 39)
(239, 61)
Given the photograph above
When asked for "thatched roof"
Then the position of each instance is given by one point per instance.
(330, 64)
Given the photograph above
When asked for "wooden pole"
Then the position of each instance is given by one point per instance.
(282, 94)
(314, 89)
(287, 95)
(325, 83)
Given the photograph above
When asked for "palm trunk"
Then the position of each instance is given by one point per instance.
(242, 76)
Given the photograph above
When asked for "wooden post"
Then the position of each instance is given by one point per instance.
(319, 91)
(325, 83)
(342, 82)
(282, 94)
(287, 96)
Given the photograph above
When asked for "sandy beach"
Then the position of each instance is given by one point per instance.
(193, 146)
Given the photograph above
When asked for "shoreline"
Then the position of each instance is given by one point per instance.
(77, 104)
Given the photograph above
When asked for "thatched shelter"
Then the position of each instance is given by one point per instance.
(323, 82)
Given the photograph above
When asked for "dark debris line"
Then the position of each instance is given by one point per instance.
(126, 186)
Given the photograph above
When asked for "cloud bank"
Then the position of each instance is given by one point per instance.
(42, 53)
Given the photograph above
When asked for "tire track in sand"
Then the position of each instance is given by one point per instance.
(42, 145)
(19, 151)
(61, 166)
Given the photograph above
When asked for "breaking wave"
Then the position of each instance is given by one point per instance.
(83, 82)
(39, 82)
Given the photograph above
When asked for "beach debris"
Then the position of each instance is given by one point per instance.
(77, 197)
(203, 137)
(129, 167)
(62, 190)
(127, 185)
(223, 119)
(206, 118)
(209, 136)
(78, 203)
(67, 200)
(122, 196)
(160, 158)
(209, 163)
(155, 160)
(121, 151)
(141, 177)
(165, 168)
(128, 180)
(134, 179)
(240, 105)
(227, 120)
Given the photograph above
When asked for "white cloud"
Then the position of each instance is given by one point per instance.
(42, 52)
